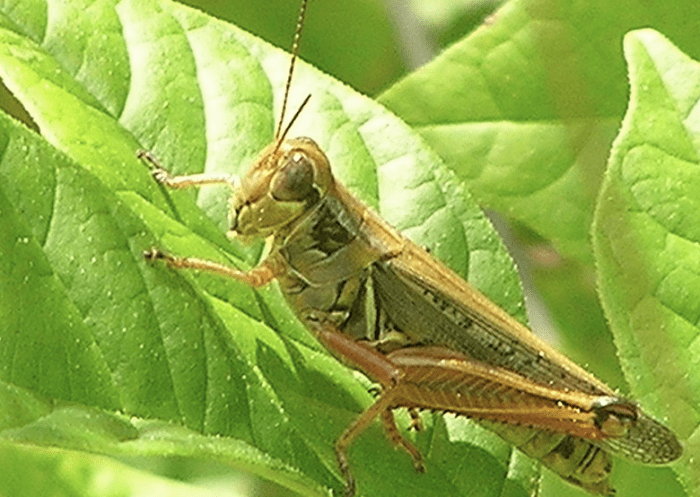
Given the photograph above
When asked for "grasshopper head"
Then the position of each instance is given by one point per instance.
(285, 181)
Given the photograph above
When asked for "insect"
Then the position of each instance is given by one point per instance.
(385, 306)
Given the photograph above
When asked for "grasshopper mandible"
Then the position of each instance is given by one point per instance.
(386, 307)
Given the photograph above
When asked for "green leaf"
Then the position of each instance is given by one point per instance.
(35, 472)
(647, 234)
(525, 108)
(103, 352)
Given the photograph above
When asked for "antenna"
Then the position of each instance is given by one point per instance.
(279, 136)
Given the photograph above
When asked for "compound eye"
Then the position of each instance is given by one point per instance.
(295, 180)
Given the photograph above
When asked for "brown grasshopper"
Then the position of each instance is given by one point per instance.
(386, 307)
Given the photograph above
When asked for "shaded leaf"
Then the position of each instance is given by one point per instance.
(525, 108)
(646, 238)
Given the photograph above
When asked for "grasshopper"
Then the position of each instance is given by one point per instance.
(386, 307)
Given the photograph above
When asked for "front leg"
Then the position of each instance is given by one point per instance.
(259, 276)
(256, 277)
(163, 177)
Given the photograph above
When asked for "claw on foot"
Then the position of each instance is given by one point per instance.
(344, 467)
(349, 488)
(159, 173)
(416, 423)
(375, 391)
(153, 254)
